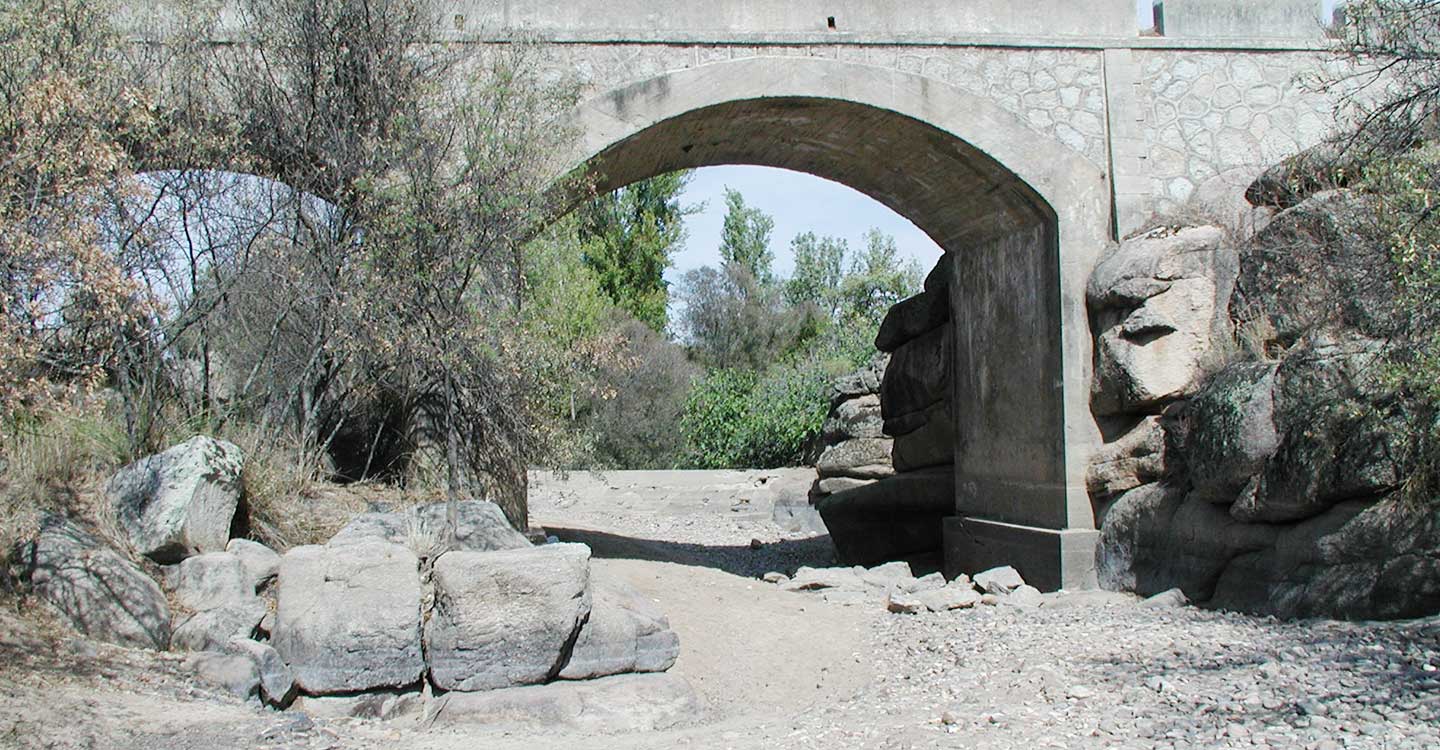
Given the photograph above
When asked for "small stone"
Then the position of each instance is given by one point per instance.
(1025, 596)
(1000, 580)
(756, 544)
(925, 583)
(989, 600)
(902, 603)
(1169, 599)
(1079, 692)
(774, 577)
(949, 718)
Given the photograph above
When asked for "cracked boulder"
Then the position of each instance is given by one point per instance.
(181, 502)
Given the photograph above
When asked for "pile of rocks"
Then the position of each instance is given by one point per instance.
(898, 589)
(442, 596)
(887, 476)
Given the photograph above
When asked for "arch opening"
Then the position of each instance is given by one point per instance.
(1006, 349)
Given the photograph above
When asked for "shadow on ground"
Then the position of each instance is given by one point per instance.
(740, 560)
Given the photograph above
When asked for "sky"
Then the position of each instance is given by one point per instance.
(799, 203)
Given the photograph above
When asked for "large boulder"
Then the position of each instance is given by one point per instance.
(506, 618)
(101, 593)
(890, 519)
(861, 458)
(348, 617)
(857, 417)
(912, 318)
(1316, 265)
(480, 526)
(1153, 303)
(1136, 457)
(1228, 430)
(276, 683)
(181, 502)
(625, 633)
(930, 444)
(1153, 538)
(918, 374)
(212, 629)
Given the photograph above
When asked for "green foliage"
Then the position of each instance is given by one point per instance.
(819, 271)
(629, 236)
(745, 238)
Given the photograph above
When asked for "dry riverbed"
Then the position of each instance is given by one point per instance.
(776, 669)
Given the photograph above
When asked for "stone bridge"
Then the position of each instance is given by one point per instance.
(1022, 137)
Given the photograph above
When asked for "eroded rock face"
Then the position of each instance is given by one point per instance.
(854, 418)
(1154, 301)
(918, 374)
(862, 458)
(261, 563)
(102, 594)
(625, 633)
(1137, 457)
(506, 618)
(181, 502)
(211, 580)
(623, 703)
(212, 629)
(913, 318)
(348, 617)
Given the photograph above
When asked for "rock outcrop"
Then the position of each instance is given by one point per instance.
(181, 502)
(887, 477)
(1264, 480)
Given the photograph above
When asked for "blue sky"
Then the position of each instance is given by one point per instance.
(799, 203)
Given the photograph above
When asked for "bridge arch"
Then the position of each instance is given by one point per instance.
(1021, 218)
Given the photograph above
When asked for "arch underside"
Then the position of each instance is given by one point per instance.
(948, 188)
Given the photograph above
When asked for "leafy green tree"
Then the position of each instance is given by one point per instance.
(819, 269)
(745, 238)
(878, 279)
(629, 236)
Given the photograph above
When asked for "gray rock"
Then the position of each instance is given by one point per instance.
(892, 519)
(348, 617)
(102, 594)
(232, 672)
(948, 598)
(623, 703)
(902, 603)
(1154, 301)
(913, 318)
(1002, 580)
(917, 376)
(505, 618)
(213, 628)
(181, 502)
(481, 526)
(928, 582)
(861, 458)
(862, 382)
(775, 577)
(930, 444)
(277, 684)
(261, 563)
(1168, 599)
(1229, 430)
(1137, 457)
(831, 485)
(383, 705)
(211, 580)
(857, 417)
(1027, 597)
(625, 633)
(888, 574)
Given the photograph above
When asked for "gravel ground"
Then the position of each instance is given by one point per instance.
(803, 670)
